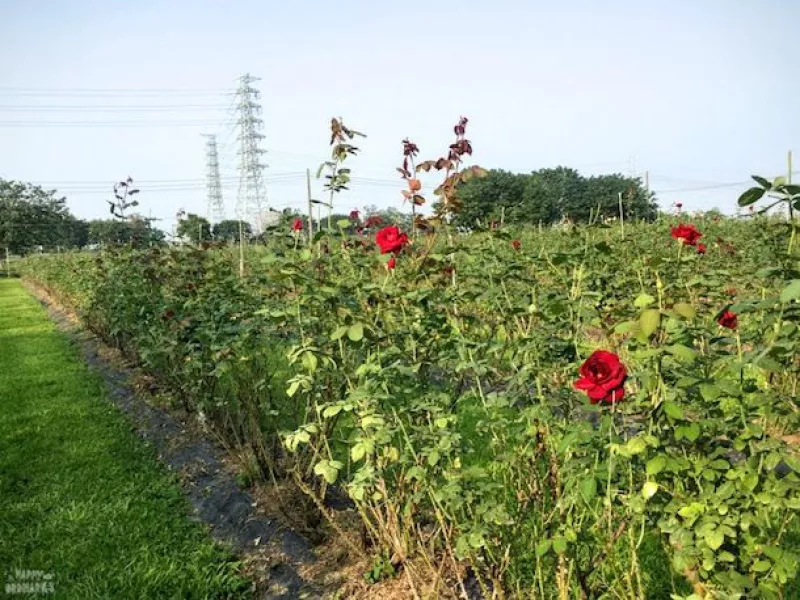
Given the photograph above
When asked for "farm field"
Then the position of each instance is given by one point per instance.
(82, 500)
(535, 413)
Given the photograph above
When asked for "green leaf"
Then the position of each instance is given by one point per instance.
(685, 310)
(543, 548)
(355, 332)
(328, 469)
(643, 300)
(751, 196)
(625, 327)
(761, 566)
(673, 410)
(343, 223)
(709, 391)
(762, 182)
(588, 488)
(338, 332)
(649, 490)
(560, 544)
(649, 321)
(656, 464)
(791, 291)
(358, 451)
(683, 353)
(692, 432)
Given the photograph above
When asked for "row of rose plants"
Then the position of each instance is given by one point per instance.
(537, 412)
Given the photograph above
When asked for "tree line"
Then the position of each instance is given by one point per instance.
(549, 196)
(32, 217)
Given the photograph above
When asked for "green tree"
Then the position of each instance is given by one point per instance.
(229, 230)
(603, 191)
(31, 216)
(483, 198)
(195, 228)
(134, 230)
(548, 195)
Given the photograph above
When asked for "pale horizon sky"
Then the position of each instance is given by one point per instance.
(700, 94)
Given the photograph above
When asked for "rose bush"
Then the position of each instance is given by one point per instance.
(442, 398)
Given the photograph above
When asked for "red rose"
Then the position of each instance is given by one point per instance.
(392, 262)
(701, 248)
(414, 185)
(517, 244)
(728, 319)
(390, 239)
(687, 234)
(297, 225)
(354, 215)
(602, 378)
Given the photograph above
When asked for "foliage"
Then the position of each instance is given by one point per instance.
(134, 231)
(229, 230)
(440, 394)
(31, 216)
(195, 228)
(548, 195)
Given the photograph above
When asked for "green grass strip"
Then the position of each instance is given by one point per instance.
(81, 497)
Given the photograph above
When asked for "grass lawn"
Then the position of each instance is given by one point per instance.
(81, 497)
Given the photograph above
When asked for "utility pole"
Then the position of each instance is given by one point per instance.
(216, 209)
(621, 215)
(310, 208)
(251, 202)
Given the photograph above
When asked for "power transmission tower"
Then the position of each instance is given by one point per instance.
(216, 209)
(251, 201)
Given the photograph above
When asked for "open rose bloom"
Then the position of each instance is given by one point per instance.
(728, 319)
(687, 234)
(391, 239)
(602, 378)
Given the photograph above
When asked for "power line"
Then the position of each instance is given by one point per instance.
(12, 91)
(109, 123)
(711, 186)
(112, 109)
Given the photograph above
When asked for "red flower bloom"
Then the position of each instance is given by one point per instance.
(297, 225)
(392, 262)
(517, 244)
(390, 239)
(414, 184)
(679, 205)
(602, 378)
(701, 248)
(688, 234)
(354, 215)
(728, 319)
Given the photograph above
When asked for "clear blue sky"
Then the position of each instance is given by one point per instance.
(698, 93)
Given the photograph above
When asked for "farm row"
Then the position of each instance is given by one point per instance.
(546, 413)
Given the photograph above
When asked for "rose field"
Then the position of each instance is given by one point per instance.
(600, 411)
